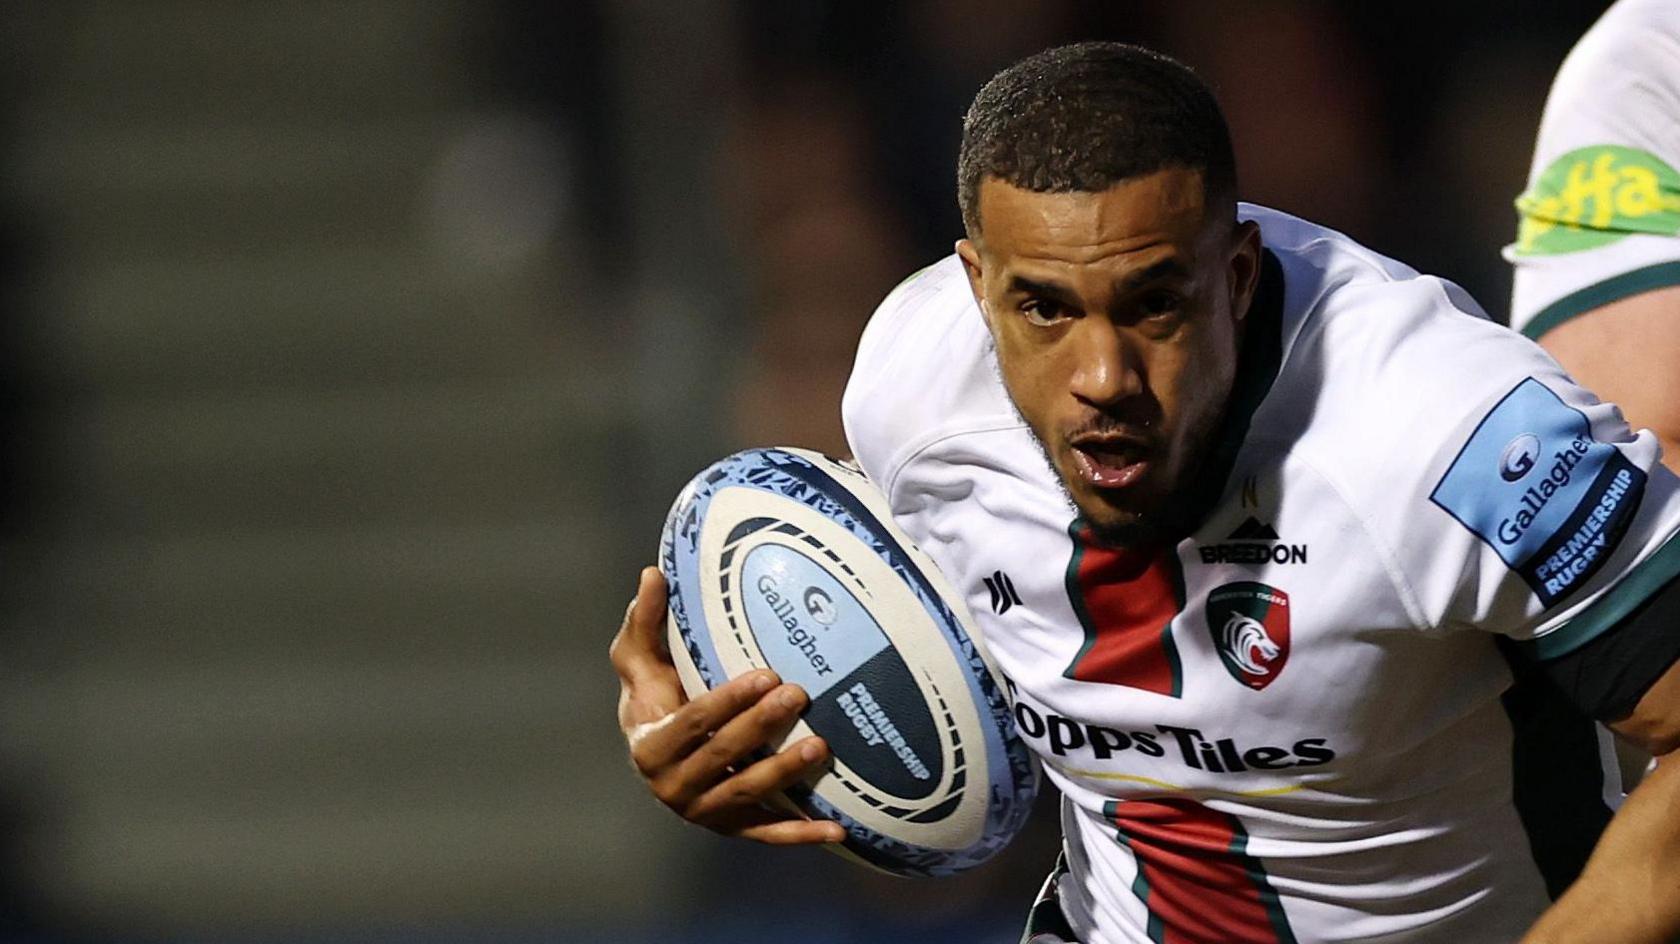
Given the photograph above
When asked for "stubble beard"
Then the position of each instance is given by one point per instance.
(1151, 528)
(1138, 533)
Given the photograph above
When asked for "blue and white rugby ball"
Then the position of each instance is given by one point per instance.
(785, 559)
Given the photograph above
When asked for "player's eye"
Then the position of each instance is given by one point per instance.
(1160, 304)
(1042, 311)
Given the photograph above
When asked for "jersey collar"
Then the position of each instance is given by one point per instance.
(1257, 367)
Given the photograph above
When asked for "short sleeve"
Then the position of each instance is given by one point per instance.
(1599, 219)
(1539, 514)
(923, 372)
(1599, 224)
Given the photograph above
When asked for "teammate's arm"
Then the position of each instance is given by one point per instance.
(1629, 891)
(696, 756)
(1628, 352)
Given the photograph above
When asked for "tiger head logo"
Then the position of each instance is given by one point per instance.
(1249, 622)
(1244, 641)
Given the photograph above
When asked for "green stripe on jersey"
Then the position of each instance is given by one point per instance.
(1614, 289)
(1615, 605)
(1263, 884)
(1140, 885)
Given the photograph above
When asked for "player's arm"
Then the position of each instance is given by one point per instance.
(1629, 891)
(1628, 352)
(696, 756)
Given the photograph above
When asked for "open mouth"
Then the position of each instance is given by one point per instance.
(1110, 462)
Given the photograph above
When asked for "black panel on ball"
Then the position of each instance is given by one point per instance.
(877, 724)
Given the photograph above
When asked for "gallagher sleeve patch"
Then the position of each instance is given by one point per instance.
(1535, 486)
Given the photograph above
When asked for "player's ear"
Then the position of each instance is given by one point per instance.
(969, 252)
(1244, 266)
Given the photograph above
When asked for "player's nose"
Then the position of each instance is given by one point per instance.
(1107, 368)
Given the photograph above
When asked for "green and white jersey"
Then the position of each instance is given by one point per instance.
(1600, 219)
(1299, 723)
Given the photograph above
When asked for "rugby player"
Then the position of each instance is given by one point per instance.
(1597, 254)
(1322, 575)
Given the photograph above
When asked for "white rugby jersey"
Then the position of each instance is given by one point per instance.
(1600, 219)
(1295, 725)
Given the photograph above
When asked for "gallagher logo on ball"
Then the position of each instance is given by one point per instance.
(1250, 626)
(820, 605)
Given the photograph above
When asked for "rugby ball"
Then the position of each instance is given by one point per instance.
(788, 560)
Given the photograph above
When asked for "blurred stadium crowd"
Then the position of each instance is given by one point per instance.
(354, 349)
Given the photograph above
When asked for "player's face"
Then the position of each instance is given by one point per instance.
(1116, 317)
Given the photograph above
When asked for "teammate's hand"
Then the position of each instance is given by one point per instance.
(695, 755)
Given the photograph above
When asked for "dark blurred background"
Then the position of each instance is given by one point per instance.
(352, 351)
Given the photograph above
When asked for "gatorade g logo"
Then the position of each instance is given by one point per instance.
(1250, 626)
(1594, 196)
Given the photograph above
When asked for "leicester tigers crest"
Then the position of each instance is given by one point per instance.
(1250, 626)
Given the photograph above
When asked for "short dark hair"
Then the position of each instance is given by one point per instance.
(1087, 116)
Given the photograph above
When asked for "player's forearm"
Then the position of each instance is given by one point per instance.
(1630, 890)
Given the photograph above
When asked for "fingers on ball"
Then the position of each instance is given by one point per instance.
(793, 832)
(638, 637)
(647, 610)
(712, 711)
(755, 785)
(765, 778)
(678, 756)
(763, 723)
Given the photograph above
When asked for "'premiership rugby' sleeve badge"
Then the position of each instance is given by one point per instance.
(1536, 487)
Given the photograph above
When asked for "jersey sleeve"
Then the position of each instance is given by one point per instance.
(1510, 499)
(922, 374)
(1599, 219)
(877, 426)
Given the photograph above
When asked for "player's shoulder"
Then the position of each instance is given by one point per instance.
(1630, 45)
(1616, 92)
(1380, 361)
(1321, 265)
(923, 373)
(1354, 319)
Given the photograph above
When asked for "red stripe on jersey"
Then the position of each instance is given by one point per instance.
(1195, 876)
(1126, 601)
